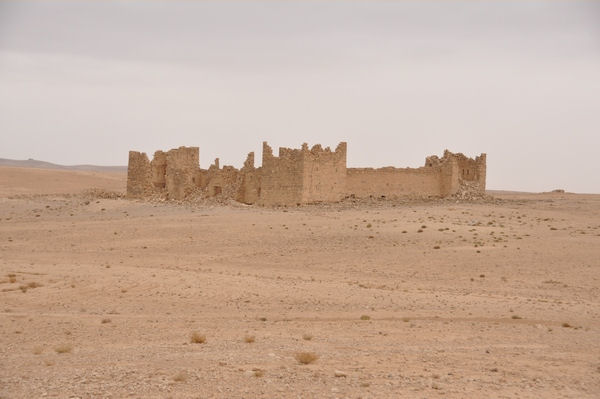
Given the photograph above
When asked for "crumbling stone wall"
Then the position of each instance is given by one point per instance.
(139, 175)
(250, 185)
(299, 176)
(159, 170)
(392, 182)
(282, 177)
(182, 164)
(325, 174)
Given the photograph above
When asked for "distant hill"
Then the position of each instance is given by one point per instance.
(32, 163)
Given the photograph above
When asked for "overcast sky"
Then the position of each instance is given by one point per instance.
(85, 82)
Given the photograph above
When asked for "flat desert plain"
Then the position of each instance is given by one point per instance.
(119, 298)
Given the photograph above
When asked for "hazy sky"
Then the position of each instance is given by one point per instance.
(84, 82)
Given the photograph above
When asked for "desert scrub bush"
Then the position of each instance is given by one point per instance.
(197, 338)
(180, 377)
(64, 348)
(306, 357)
(307, 337)
(516, 317)
(258, 373)
(106, 320)
(365, 317)
(249, 339)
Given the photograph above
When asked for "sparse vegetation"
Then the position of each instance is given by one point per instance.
(106, 320)
(64, 348)
(197, 338)
(249, 339)
(180, 377)
(516, 317)
(306, 357)
(365, 317)
(566, 325)
(258, 373)
(307, 337)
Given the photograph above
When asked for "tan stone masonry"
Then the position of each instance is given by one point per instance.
(299, 176)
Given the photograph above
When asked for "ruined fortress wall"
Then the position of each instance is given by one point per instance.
(324, 174)
(300, 176)
(139, 175)
(224, 181)
(181, 170)
(394, 182)
(449, 178)
(471, 170)
(250, 185)
(481, 162)
(159, 170)
(282, 177)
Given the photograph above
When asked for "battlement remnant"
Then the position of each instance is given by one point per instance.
(299, 176)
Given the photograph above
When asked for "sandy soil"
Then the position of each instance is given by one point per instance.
(99, 297)
(20, 181)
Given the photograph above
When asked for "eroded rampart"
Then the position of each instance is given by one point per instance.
(298, 176)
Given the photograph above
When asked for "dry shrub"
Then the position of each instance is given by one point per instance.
(307, 337)
(106, 320)
(198, 338)
(306, 357)
(64, 348)
(365, 317)
(249, 339)
(566, 325)
(258, 372)
(180, 377)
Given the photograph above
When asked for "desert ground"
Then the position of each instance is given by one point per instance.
(101, 296)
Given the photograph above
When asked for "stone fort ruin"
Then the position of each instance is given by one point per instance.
(298, 176)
